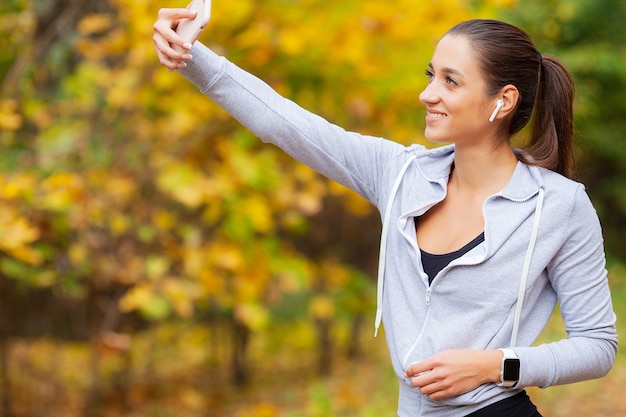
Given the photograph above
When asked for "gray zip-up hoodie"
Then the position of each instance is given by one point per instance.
(471, 302)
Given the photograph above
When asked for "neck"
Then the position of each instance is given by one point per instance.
(482, 170)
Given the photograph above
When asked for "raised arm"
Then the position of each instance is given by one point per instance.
(359, 162)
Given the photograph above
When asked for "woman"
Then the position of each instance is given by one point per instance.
(479, 239)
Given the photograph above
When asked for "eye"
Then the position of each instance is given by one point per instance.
(451, 81)
(448, 80)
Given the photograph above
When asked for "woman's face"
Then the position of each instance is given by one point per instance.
(457, 106)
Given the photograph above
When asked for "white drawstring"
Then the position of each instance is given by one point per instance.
(383, 246)
(526, 268)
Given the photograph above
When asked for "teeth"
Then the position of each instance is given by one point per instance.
(436, 114)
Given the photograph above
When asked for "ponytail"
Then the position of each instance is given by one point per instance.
(552, 127)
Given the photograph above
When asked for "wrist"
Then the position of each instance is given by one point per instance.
(495, 365)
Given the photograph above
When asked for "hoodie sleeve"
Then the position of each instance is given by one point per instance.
(353, 160)
(578, 275)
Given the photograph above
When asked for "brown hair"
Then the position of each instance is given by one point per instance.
(506, 56)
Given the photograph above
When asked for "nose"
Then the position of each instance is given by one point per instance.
(429, 95)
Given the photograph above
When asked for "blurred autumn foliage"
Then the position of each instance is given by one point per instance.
(140, 224)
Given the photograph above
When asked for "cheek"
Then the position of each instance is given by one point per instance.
(468, 110)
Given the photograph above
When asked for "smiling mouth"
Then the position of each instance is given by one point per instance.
(435, 115)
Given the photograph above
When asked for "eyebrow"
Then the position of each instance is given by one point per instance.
(447, 70)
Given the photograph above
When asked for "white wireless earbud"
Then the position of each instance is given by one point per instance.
(499, 105)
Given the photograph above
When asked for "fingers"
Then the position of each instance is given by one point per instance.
(417, 368)
(434, 384)
(169, 57)
(176, 14)
(422, 377)
(165, 38)
(453, 372)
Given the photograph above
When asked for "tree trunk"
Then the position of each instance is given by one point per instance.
(5, 385)
(354, 345)
(110, 320)
(324, 348)
(241, 339)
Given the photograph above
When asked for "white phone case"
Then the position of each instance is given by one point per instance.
(190, 29)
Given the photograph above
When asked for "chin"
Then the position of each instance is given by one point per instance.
(436, 138)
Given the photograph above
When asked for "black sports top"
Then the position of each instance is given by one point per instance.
(434, 263)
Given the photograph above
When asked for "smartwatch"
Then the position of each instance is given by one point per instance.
(509, 370)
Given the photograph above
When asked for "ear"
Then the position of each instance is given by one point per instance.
(510, 95)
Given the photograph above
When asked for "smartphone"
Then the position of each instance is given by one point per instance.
(190, 29)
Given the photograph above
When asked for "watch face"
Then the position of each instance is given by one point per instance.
(511, 370)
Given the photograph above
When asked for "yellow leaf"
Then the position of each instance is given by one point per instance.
(156, 266)
(61, 190)
(193, 399)
(163, 220)
(119, 223)
(17, 186)
(259, 410)
(120, 188)
(187, 184)
(211, 283)
(322, 307)
(226, 256)
(354, 203)
(135, 298)
(180, 295)
(291, 41)
(125, 82)
(288, 283)
(77, 254)
(258, 211)
(254, 316)
(26, 254)
(94, 24)
(16, 231)
(335, 273)
(309, 204)
(10, 119)
(46, 278)
(505, 3)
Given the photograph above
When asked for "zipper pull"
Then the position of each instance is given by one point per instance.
(428, 291)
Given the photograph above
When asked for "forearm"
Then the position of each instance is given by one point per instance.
(566, 361)
(455, 372)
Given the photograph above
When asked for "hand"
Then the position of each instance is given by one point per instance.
(455, 372)
(165, 36)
